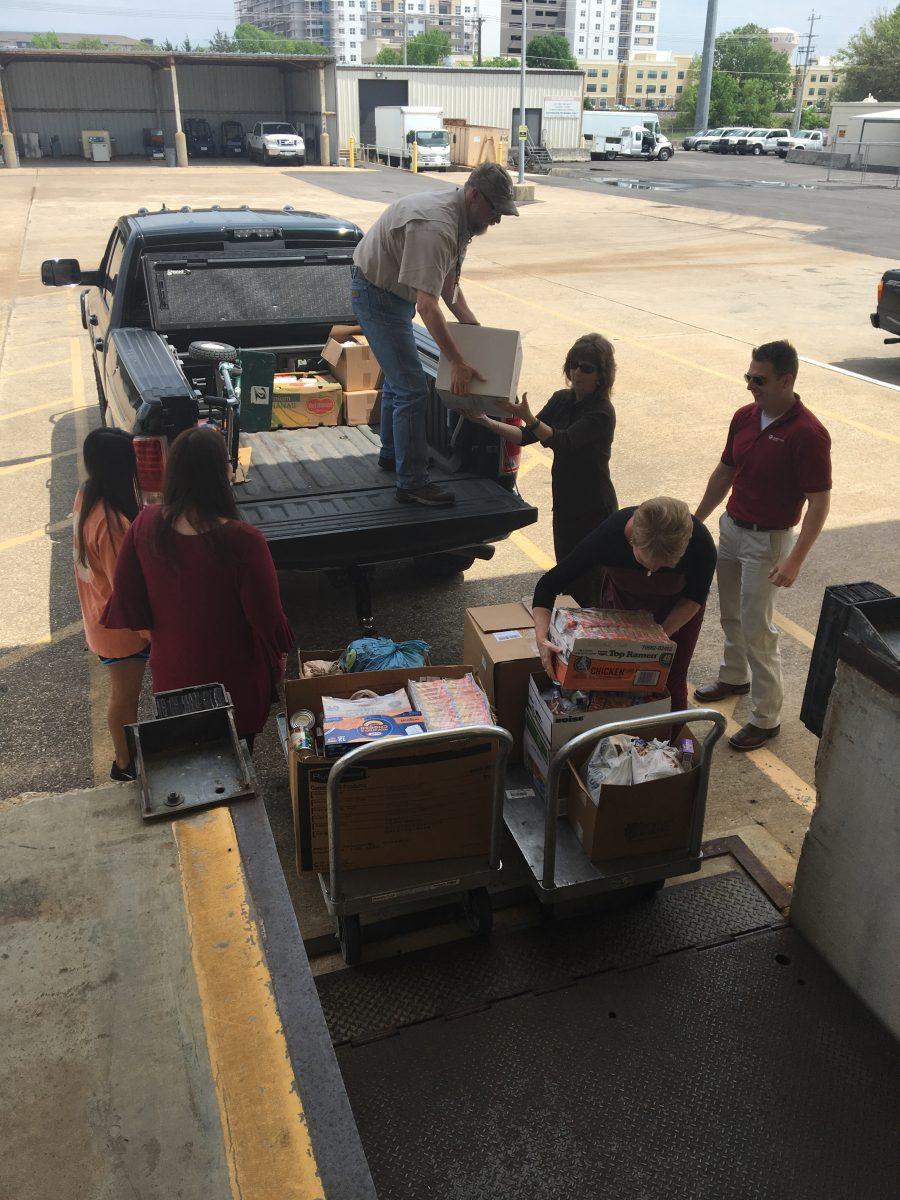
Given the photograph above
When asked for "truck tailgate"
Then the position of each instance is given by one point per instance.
(321, 500)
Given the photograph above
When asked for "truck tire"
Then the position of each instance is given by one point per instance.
(443, 566)
(214, 352)
(610, 155)
(664, 155)
(101, 395)
(756, 151)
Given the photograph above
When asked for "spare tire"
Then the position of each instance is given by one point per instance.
(212, 352)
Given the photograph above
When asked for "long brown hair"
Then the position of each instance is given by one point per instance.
(112, 480)
(197, 488)
(596, 349)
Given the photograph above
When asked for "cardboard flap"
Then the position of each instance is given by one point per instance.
(493, 618)
(340, 333)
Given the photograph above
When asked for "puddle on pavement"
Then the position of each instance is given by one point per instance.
(668, 185)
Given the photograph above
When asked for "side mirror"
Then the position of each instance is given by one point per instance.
(60, 272)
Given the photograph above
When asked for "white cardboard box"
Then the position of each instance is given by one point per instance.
(497, 355)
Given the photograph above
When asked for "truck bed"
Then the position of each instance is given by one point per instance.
(321, 500)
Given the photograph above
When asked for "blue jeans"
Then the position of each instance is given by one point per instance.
(386, 320)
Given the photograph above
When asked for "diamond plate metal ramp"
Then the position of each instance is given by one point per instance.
(743, 1071)
(443, 980)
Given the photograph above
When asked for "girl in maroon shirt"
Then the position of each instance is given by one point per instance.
(204, 584)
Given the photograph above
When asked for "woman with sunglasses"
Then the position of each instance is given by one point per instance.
(577, 423)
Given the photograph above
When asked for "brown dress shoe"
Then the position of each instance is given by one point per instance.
(719, 690)
(751, 737)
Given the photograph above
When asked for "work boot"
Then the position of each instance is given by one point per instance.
(751, 737)
(718, 690)
(429, 495)
(122, 774)
(387, 464)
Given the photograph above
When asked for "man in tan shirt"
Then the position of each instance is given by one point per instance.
(408, 262)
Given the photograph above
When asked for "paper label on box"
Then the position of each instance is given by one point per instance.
(507, 635)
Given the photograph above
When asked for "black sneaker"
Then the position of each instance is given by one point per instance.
(387, 464)
(122, 774)
(429, 495)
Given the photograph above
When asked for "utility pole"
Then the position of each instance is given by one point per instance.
(479, 21)
(801, 82)
(522, 94)
(701, 115)
(405, 27)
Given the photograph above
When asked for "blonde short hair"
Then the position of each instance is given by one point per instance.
(662, 527)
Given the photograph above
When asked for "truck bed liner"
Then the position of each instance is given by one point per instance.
(321, 500)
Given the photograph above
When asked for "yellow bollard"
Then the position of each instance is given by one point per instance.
(351, 153)
(415, 157)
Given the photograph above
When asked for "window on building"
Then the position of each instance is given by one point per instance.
(592, 87)
(679, 90)
(592, 73)
(834, 79)
(651, 87)
(812, 91)
(581, 26)
(664, 74)
(651, 74)
(823, 91)
(681, 74)
(640, 74)
(639, 87)
(812, 79)
(603, 87)
(662, 88)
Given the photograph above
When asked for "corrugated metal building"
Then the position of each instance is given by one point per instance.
(482, 96)
(61, 92)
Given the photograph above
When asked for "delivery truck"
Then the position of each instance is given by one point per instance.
(398, 127)
(596, 127)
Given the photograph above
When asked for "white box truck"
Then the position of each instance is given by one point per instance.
(397, 127)
(599, 125)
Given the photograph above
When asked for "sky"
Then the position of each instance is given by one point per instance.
(681, 21)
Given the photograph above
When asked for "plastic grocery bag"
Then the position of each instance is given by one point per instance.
(366, 703)
(382, 654)
(654, 760)
(610, 763)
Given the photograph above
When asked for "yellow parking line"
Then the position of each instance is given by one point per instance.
(267, 1143)
(42, 366)
(530, 550)
(60, 403)
(14, 468)
(35, 534)
(797, 632)
(685, 362)
(15, 657)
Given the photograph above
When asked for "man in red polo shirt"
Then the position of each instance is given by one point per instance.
(776, 457)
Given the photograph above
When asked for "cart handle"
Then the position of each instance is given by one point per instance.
(592, 736)
(363, 755)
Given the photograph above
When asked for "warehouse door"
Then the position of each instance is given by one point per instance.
(372, 94)
(532, 120)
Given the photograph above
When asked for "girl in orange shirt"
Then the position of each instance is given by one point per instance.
(105, 506)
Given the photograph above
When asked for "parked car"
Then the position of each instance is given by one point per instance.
(760, 141)
(159, 336)
(690, 142)
(270, 141)
(727, 143)
(199, 136)
(232, 139)
(887, 311)
(705, 140)
(806, 139)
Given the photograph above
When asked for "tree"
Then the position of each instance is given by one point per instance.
(46, 41)
(428, 49)
(550, 50)
(387, 56)
(186, 46)
(871, 60)
(499, 62)
(250, 39)
(810, 119)
(724, 101)
(757, 104)
(89, 43)
(222, 43)
(746, 53)
(588, 104)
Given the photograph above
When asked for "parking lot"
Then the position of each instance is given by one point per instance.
(684, 281)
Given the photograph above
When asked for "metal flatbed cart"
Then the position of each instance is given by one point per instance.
(559, 870)
(350, 893)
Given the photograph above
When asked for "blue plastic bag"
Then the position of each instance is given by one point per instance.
(382, 654)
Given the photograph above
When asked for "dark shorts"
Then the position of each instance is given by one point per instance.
(140, 656)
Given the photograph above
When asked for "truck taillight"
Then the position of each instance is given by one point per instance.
(150, 453)
(880, 289)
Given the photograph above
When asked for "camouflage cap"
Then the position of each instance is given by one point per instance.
(496, 185)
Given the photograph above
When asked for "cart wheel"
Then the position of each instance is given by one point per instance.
(479, 911)
(350, 937)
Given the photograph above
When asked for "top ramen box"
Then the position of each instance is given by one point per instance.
(606, 650)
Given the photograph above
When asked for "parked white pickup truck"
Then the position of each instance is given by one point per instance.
(270, 141)
(761, 141)
(806, 139)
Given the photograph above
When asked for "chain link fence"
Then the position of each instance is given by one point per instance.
(866, 163)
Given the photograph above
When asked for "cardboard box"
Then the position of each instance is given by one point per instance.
(497, 354)
(361, 408)
(633, 655)
(411, 808)
(306, 401)
(499, 640)
(627, 821)
(545, 732)
(352, 362)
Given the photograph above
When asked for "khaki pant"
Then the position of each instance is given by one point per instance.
(747, 605)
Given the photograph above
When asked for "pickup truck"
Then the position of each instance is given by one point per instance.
(270, 141)
(886, 316)
(760, 141)
(177, 292)
(806, 139)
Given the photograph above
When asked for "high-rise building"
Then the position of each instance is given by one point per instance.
(594, 29)
(783, 40)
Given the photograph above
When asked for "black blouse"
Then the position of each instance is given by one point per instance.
(582, 439)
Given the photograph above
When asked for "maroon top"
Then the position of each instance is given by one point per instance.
(212, 618)
(776, 467)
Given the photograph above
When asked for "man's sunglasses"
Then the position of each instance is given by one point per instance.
(585, 368)
(756, 380)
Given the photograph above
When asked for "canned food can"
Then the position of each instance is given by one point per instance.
(302, 719)
(302, 741)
